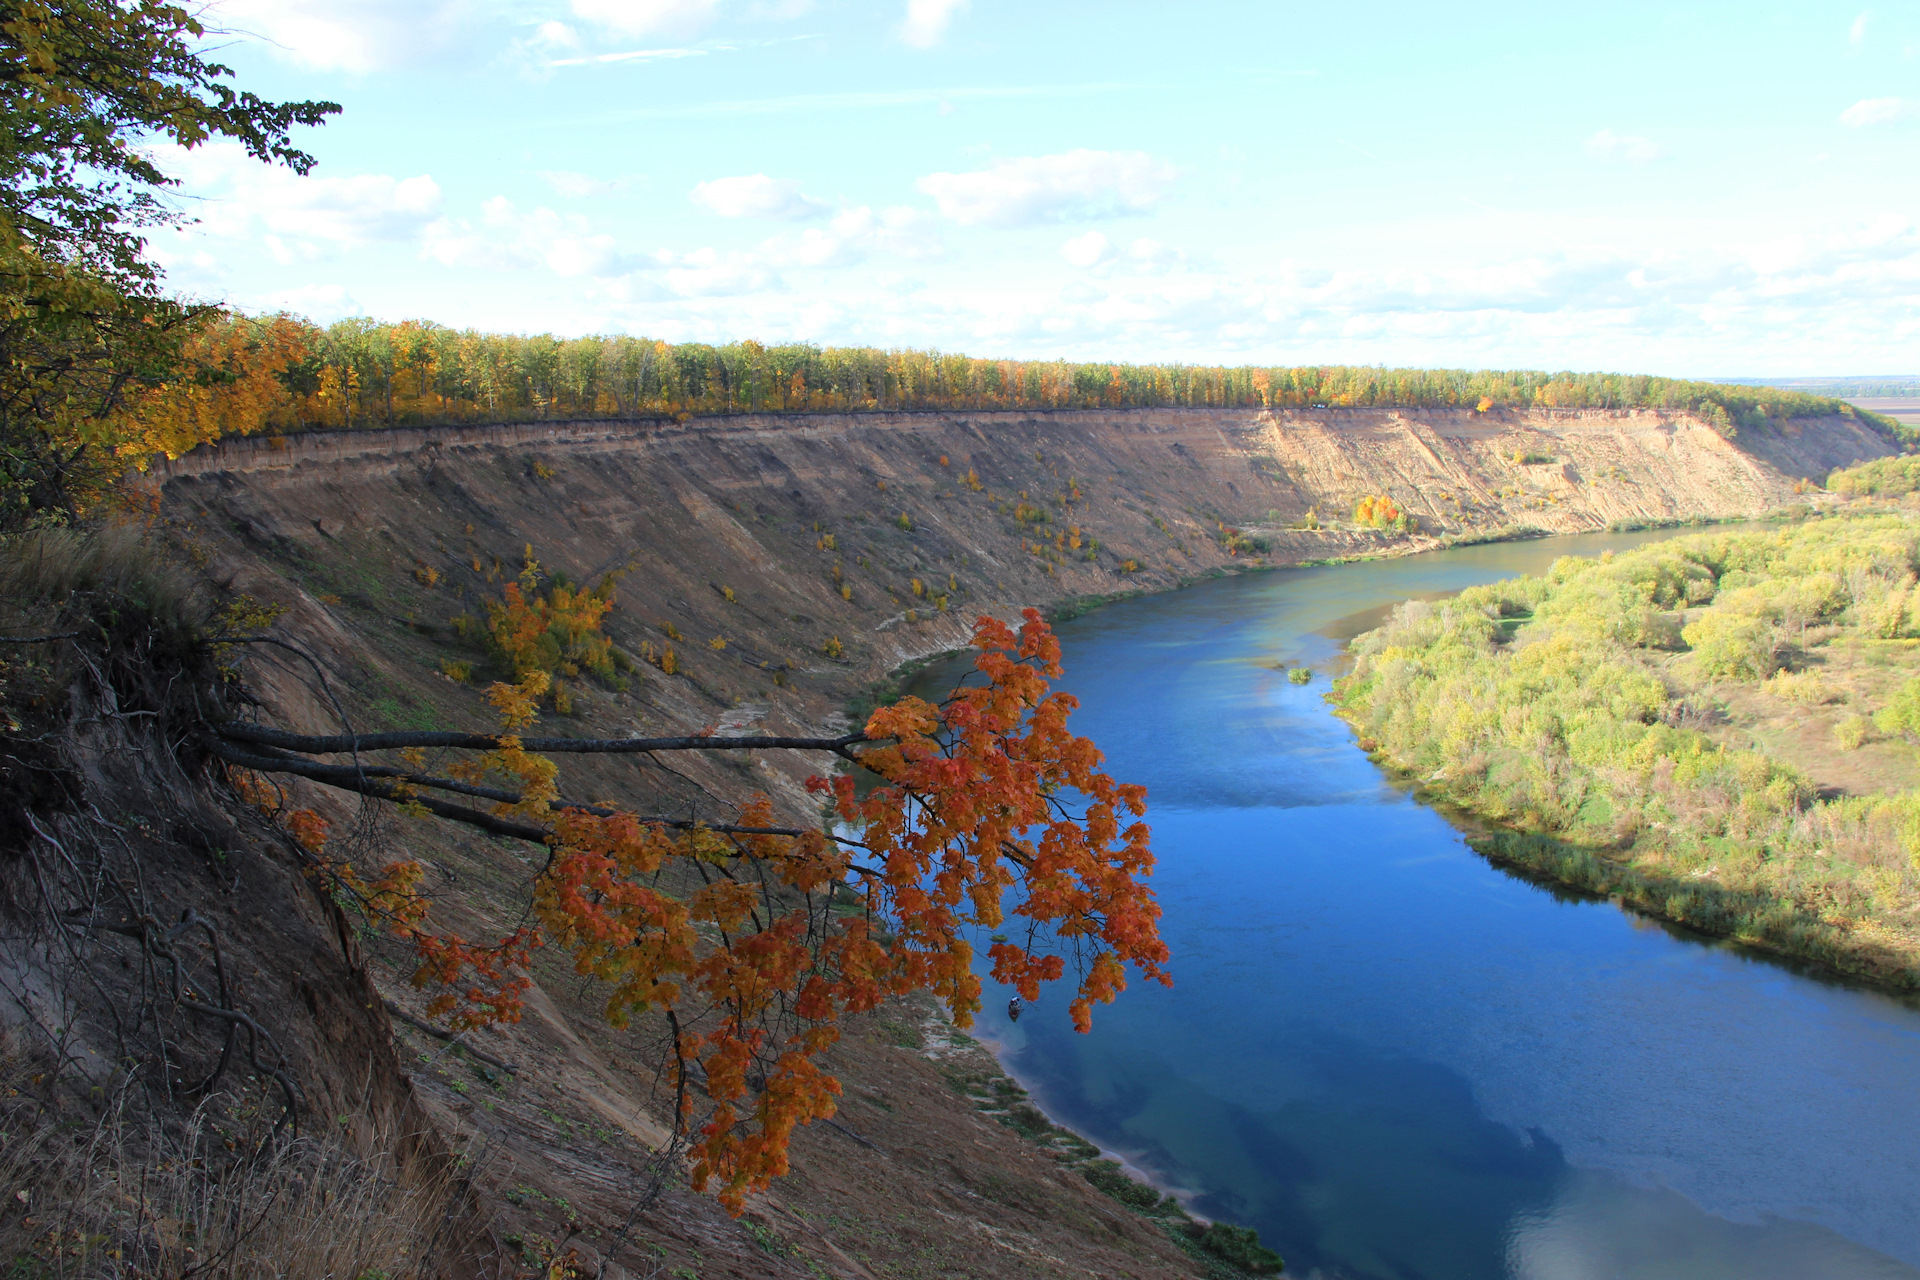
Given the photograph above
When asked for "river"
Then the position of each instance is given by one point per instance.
(1396, 1060)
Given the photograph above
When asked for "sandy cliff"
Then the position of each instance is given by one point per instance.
(747, 530)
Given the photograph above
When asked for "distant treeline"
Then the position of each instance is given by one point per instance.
(1851, 388)
(360, 373)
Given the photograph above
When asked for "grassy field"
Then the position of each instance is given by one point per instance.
(1718, 730)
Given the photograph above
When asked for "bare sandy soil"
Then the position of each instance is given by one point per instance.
(378, 543)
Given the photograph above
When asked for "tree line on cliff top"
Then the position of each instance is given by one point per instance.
(219, 374)
(362, 373)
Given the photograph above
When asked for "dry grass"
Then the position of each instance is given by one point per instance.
(51, 566)
(127, 1197)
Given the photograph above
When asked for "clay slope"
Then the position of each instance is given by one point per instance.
(745, 531)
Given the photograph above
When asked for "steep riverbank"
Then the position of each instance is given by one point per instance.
(788, 562)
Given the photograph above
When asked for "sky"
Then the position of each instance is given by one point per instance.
(1681, 188)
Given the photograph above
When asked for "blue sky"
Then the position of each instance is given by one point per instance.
(1692, 189)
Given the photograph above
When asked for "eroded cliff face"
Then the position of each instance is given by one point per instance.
(824, 552)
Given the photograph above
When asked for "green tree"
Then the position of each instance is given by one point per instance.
(86, 86)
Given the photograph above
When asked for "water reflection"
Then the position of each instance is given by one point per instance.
(1397, 1061)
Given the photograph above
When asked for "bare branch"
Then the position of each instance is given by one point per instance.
(322, 744)
(455, 1037)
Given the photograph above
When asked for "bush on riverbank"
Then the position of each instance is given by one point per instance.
(1881, 478)
(1660, 726)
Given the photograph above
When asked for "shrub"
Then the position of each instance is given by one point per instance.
(1382, 512)
(833, 648)
(1806, 688)
(1238, 1247)
(456, 670)
(528, 630)
(1300, 675)
(1883, 477)
(1851, 732)
(1729, 644)
(1109, 1178)
(1902, 714)
(905, 521)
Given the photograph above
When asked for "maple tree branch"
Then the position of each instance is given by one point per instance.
(384, 783)
(347, 778)
(321, 744)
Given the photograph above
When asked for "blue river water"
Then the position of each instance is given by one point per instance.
(1396, 1060)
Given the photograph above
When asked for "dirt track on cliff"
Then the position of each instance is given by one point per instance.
(745, 530)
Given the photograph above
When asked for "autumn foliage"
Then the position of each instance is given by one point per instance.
(753, 942)
(556, 631)
(1383, 512)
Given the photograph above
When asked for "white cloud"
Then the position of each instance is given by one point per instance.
(322, 302)
(629, 55)
(349, 35)
(1088, 250)
(236, 197)
(1623, 146)
(578, 186)
(856, 233)
(708, 273)
(509, 239)
(1872, 111)
(1152, 256)
(756, 195)
(1074, 186)
(643, 17)
(1857, 33)
(927, 20)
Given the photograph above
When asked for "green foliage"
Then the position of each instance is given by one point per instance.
(418, 372)
(1902, 713)
(1300, 675)
(1881, 478)
(1108, 1178)
(1238, 1247)
(1850, 733)
(86, 86)
(1577, 707)
(1727, 644)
